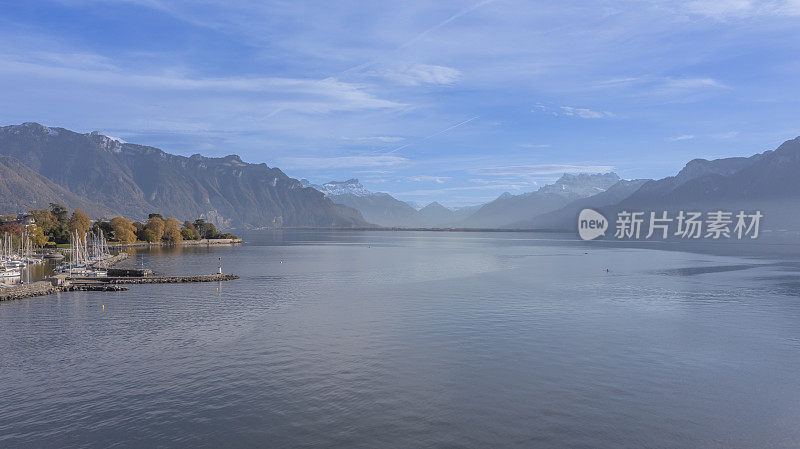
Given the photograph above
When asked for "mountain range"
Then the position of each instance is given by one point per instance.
(383, 209)
(108, 176)
(508, 211)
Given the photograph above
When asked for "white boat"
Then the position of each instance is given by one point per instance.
(7, 272)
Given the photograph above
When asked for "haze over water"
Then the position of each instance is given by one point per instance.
(414, 339)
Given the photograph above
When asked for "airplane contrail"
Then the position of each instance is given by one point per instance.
(445, 22)
(421, 35)
(434, 134)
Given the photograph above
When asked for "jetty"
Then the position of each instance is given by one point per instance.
(111, 283)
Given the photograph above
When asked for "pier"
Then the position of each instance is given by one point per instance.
(111, 283)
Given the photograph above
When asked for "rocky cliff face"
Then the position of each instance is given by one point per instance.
(135, 180)
(22, 189)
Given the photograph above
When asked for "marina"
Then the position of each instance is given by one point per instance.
(88, 265)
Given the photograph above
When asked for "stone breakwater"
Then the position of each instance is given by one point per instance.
(40, 288)
(216, 277)
(201, 242)
(43, 288)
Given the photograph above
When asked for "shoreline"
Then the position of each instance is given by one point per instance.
(62, 283)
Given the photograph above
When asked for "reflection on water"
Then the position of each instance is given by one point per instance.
(413, 339)
(31, 273)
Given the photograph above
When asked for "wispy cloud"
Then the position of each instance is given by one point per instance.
(436, 179)
(376, 139)
(681, 137)
(343, 162)
(663, 86)
(569, 111)
(297, 94)
(418, 74)
(541, 169)
(584, 112)
(728, 9)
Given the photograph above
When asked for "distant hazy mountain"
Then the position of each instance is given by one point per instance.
(683, 184)
(436, 214)
(566, 217)
(384, 210)
(769, 181)
(22, 189)
(136, 180)
(508, 211)
(377, 208)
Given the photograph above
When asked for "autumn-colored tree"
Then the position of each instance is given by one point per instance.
(154, 230)
(37, 236)
(79, 222)
(172, 230)
(124, 231)
(45, 220)
(11, 228)
(189, 232)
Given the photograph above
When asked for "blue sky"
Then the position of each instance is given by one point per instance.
(455, 101)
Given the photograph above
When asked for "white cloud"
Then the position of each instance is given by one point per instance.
(662, 86)
(730, 9)
(533, 145)
(418, 74)
(584, 113)
(681, 137)
(343, 162)
(569, 111)
(376, 139)
(306, 95)
(684, 84)
(436, 179)
(541, 169)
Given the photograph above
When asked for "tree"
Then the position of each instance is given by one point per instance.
(123, 230)
(60, 212)
(79, 222)
(155, 215)
(45, 220)
(172, 230)
(189, 232)
(154, 230)
(206, 230)
(11, 228)
(37, 236)
(104, 226)
(60, 233)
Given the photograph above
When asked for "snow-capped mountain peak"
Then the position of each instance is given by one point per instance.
(581, 184)
(335, 188)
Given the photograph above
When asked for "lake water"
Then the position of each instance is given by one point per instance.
(413, 339)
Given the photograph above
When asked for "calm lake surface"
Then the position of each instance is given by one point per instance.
(413, 339)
